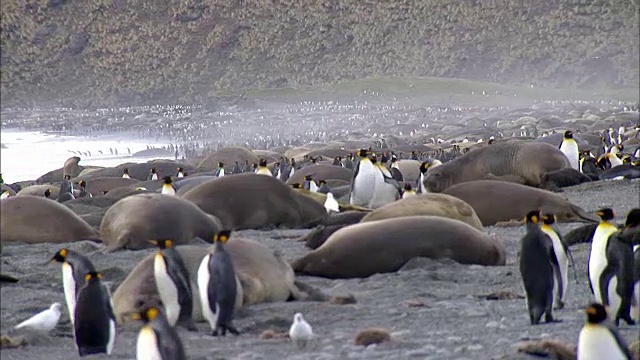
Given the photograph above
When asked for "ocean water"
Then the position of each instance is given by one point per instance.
(29, 155)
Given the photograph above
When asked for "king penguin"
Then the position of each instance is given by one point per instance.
(424, 166)
(310, 184)
(74, 268)
(611, 268)
(157, 339)
(174, 285)
(597, 340)
(408, 191)
(537, 268)
(95, 325)
(363, 180)
(220, 171)
(263, 169)
(167, 187)
(386, 189)
(561, 250)
(218, 287)
(180, 172)
(125, 173)
(395, 169)
(570, 149)
(5, 194)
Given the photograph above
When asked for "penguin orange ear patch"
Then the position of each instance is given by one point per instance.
(168, 243)
(63, 252)
(87, 277)
(152, 313)
(591, 310)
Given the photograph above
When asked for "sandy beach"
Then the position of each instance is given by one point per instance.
(433, 309)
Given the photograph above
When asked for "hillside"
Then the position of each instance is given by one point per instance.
(105, 52)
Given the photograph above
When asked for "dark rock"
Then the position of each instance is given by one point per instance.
(78, 43)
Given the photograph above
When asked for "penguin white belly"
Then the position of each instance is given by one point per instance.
(264, 171)
(635, 302)
(167, 290)
(615, 161)
(112, 336)
(363, 184)
(570, 150)
(563, 263)
(312, 186)
(69, 285)
(597, 343)
(383, 194)
(147, 345)
(598, 259)
(154, 177)
(203, 286)
(614, 298)
(168, 190)
(221, 173)
(421, 187)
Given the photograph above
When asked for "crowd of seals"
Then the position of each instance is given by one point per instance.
(439, 197)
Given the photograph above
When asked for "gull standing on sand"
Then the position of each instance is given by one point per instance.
(300, 331)
(331, 204)
(43, 321)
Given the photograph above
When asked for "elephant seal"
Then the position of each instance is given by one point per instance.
(382, 246)
(132, 221)
(186, 184)
(71, 167)
(321, 172)
(522, 161)
(429, 205)
(229, 156)
(11, 191)
(497, 201)
(38, 190)
(137, 171)
(250, 201)
(36, 220)
(97, 186)
(263, 277)
(124, 191)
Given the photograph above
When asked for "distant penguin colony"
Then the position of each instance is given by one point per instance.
(218, 287)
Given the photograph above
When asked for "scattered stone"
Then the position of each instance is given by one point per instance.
(8, 342)
(549, 348)
(415, 303)
(502, 295)
(343, 299)
(372, 336)
(510, 223)
(4, 278)
(272, 334)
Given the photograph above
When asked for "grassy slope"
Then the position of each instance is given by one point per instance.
(103, 52)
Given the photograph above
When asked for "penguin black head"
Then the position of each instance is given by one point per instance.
(146, 315)
(374, 158)
(633, 218)
(179, 169)
(92, 275)
(533, 217)
(67, 177)
(491, 141)
(548, 219)
(126, 170)
(60, 256)
(568, 134)
(223, 236)
(47, 193)
(83, 184)
(263, 162)
(407, 187)
(596, 313)
(220, 164)
(308, 177)
(363, 153)
(606, 214)
(296, 186)
(322, 182)
(162, 244)
(167, 180)
(424, 167)
(153, 170)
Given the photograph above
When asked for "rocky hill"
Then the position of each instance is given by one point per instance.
(105, 52)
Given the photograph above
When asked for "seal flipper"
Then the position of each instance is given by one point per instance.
(120, 244)
(583, 214)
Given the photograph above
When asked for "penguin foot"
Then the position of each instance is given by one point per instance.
(559, 305)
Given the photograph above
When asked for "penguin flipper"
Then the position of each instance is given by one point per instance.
(622, 344)
(397, 174)
(583, 234)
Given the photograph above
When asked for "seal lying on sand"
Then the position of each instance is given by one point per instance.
(321, 172)
(427, 204)
(250, 201)
(131, 222)
(517, 161)
(36, 220)
(263, 277)
(496, 201)
(383, 246)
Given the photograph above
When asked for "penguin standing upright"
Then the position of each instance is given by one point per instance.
(386, 189)
(125, 173)
(220, 171)
(74, 268)
(95, 325)
(323, 188)
(395, 169)
(310, 184)
(537, 263)
(611, 268)
(218, 287)
(153, 175)
(173, 283)
(83, 190)
(363, 180)
(597, 341)
(569, 147)
(561, 250)
(263, 169)
(157, 339)
(408, 191)
(180, 173)
(167, 187)
(348, 161)
(424, 166)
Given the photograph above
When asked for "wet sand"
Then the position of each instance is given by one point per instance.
(452, 319)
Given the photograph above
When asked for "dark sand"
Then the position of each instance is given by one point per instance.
(454, 323)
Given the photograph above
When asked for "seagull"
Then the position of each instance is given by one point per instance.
(331, 204)
(300, 331)
(44, 321)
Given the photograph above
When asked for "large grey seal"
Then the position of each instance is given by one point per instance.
(97, 186)
(229, 156)
(71, 166)
(38, 190)
(263, 276)
(250, 201)
(35, 220)
(517, 161)
(427, 204)
(496, 201)
(364, 249)
(138, 171)
(131, 222)
(321, 172)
